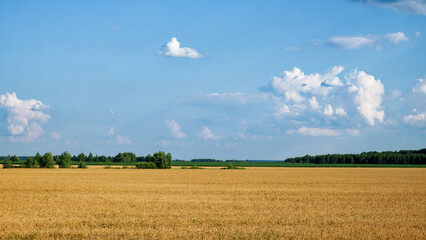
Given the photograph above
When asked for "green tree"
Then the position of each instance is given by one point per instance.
(161, 160)
(15, 159)
(31, 162)
(81, 157)
(48, 161)
(8, 163)
(65, 160)
(90, 157)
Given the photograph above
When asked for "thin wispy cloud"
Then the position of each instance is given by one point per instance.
(409, 6)
(373, 41)
(173, 49)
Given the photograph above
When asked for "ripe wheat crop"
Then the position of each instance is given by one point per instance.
(254, 203)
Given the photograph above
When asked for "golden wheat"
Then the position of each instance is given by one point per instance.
(255, 203)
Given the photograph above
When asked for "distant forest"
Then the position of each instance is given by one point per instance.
(398, 157)
(411, 157)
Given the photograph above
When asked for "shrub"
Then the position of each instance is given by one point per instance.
(146, 165)
(82, 165)
(231, 166)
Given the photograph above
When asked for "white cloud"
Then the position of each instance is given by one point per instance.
(415, 119)
(174, 128)
(23, 117)
(357, 42)
(111, 131)
(173, 49)
(328, 110)
(55, 135)
(421, 85)
(396, 37)
(314, 132)
(111, 112)
(418, 34)
(292, 48)
(341, 112)
(314, 103)
(206, 134)
(283, 110)
(368, 99)
(410, 6)
(294, 83)
(354, 42)
(121, 140)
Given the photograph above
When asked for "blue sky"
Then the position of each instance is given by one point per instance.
(216, 79)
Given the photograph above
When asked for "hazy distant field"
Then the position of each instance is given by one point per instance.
(256, 203)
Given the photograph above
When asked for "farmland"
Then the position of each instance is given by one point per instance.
(254, 203)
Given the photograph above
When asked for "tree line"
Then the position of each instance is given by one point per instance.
(397, 157)
(65, 160)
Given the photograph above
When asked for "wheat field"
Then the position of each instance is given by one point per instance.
(254, 203)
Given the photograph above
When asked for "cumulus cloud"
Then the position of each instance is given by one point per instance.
(174, 128)
(368, 98)
(173, 49)
(293, 84)
(24, 117)
(357, 42)
(206, 134)
(328, 110)
(313, 103)
(409, 6)
(314, 132)
(421, 86)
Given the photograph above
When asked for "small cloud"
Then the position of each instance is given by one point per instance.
(314, 132)
(206, 134)
(174, 128)
(421, 86)
(396, 37)
(292, 48)
(394, 95)
(121, 140)
(418, 120)
(55, 136)
(164, 143)
(111, 112)
(173, 49)
(111, 131)
(328, 110)
(417, 34)
(341, 112)
(353, 42)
